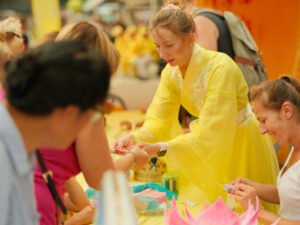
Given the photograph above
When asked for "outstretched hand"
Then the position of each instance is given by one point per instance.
(151, 149)
(124, 142)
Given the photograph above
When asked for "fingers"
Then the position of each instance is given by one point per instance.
(141, 157)
(244, 193)
(121, 143)
(142, 145)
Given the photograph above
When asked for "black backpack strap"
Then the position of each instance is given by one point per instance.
(47, 176)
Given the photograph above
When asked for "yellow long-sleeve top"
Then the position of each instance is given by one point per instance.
(224, 141)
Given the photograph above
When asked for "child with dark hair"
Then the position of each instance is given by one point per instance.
(90, 153)
(49, 100)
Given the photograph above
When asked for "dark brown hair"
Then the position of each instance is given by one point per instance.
(274, 93)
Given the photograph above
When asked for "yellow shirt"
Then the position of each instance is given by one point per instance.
(224, 142)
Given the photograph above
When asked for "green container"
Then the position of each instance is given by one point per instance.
(170, 181)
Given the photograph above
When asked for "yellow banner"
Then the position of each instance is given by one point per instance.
(46, 17)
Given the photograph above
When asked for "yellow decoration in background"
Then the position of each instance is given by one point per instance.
(46, 17)
(133, 43)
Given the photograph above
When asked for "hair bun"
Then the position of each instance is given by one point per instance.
(286, 79)
(21, 74)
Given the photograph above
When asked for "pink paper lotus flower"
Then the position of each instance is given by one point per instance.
(215, 214)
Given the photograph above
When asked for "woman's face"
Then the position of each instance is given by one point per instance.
(272, 122)
(173, 48)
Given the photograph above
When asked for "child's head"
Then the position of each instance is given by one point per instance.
(56, 75)
(94, 38)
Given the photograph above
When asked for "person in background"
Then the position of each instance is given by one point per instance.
(14, 39)
(49, 99)
(90, 153)
(277, 108)
(5, 55)
(224, 141)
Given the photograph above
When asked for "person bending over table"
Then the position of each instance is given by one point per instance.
(224, 141)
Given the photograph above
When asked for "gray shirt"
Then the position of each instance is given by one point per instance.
(17, 202)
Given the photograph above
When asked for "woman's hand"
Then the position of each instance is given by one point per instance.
(244, 193)
(151, 149)
(124, 142)
(232, 186)
(242, 180)
(141, 157)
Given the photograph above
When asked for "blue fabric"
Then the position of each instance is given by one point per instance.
(154, 186)
(17, 203)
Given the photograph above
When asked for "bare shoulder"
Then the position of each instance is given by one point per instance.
(205, 24)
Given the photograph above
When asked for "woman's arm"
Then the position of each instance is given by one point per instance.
(93, 152)
(244, 192)
(266, 192)
(266, 217)
(161, 123)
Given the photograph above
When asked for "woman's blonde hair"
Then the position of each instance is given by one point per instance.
(47, 38)
(94, 38)
(174, 18)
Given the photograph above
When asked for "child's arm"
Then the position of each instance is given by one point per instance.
(75, 197)
(85, 216)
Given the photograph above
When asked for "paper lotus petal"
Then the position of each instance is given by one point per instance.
(215, 214)
(174, 217)
(218, 213)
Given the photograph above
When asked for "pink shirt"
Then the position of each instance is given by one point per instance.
(64, 165)
(2, 94)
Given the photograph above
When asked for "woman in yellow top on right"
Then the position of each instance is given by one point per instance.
(224, 141)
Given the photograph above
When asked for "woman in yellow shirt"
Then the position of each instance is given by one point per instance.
(224, 141)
